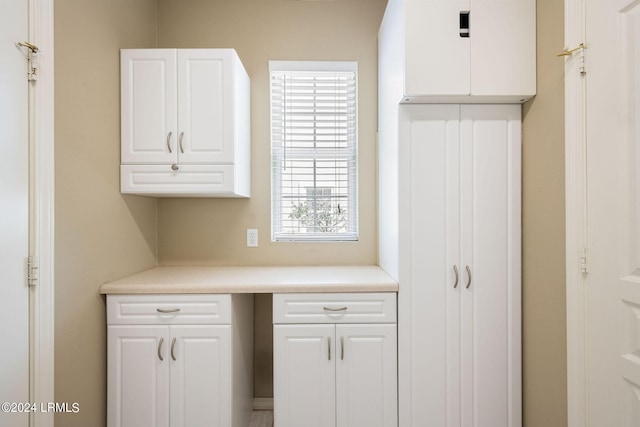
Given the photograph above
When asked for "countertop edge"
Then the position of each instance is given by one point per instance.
(249, 279)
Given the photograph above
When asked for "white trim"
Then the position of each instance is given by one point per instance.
(263, 403)
(42, 211)
(576, 216)
(313, 66)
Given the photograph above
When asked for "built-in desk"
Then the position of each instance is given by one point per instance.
(180, 339)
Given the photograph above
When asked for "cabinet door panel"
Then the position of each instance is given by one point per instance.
(205, 106)
(201, 376)
(304, 375)
(366, 375)
(429, 362)
(491, 247)
(148, 106)
(503, 47)
(137, 380)
(437, 58)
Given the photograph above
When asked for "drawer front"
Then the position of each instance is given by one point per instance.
(335, 308)
(168, 309)
(161, 180)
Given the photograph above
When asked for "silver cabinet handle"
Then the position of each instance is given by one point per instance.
(180, 142)
(341, 348)
(173, 346)
(455, 270)
(167, 310)
(329, 348)
(334, 309)
(160, 350)
(469, 277)
(169, 141)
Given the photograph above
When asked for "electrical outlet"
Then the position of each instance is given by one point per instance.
(252, 237)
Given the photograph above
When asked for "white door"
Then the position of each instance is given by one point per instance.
(429, 357)
(14, 202)
(612, 300)
(499, 64)
(205, 106)
(138, 379)
(201, 376)
(148, 97)
(366, 375)
(490, 352)
(437, 57)
(304, 375)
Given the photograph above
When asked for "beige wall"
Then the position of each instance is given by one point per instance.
(544, 302)
(210, 231)
(213, 231)
(100, 235)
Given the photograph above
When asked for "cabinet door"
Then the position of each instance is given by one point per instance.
(138, 376)
(201, 376)
(366, 375)
(205, 105)
(437, 58)
(503, 47)
(149, 119)
(304, 375)
(429, 309)
(491, 304)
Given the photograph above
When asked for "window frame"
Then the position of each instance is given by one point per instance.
(352, 217)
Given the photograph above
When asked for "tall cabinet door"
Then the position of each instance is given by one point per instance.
(138, 381)
(490, 171)
(200, 376)
(437, 57)
(429, 300)
(148, 106)
(205, 104)
(304, 375)
(366, 375)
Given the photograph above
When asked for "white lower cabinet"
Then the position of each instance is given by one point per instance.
(334, 373)
(179, 375)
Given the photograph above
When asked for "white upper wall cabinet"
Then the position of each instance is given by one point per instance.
(442, 51)
(185, 125)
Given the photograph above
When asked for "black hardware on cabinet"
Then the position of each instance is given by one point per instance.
(464, 23)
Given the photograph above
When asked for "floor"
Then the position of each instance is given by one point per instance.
(262, 419)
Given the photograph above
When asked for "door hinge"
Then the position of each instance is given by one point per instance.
(584, 261)
(33, 62)
(33, 270)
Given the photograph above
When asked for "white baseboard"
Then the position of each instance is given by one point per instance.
(263, 403)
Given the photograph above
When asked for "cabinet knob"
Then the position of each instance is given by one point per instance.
(174, 167)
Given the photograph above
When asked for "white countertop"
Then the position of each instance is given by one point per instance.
(219, 280)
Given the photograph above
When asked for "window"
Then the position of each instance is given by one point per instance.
(314, 151)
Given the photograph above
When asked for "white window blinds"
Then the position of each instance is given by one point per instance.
(314, 151)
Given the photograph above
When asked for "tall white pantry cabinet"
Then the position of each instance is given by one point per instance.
(450, 206)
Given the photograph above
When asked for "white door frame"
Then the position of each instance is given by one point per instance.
(41, 149)
(576, 214)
